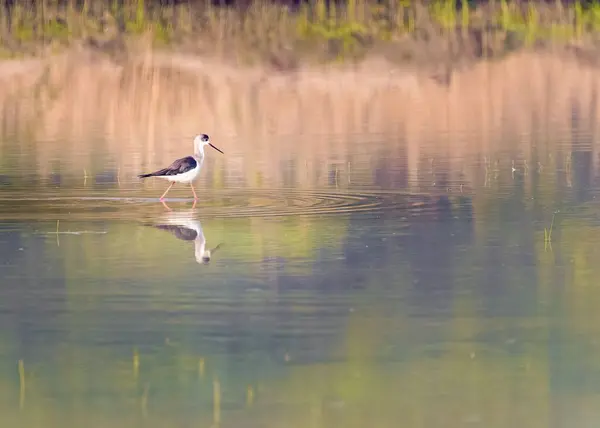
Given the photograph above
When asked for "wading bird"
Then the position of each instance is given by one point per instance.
(184, 170)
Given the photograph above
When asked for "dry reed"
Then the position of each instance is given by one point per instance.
(144, 113)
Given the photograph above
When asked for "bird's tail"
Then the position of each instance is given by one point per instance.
(150, 174)
(153, 174)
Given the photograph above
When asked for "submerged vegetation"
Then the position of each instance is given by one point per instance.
(285, 35)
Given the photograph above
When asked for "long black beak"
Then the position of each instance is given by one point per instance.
(210, 144)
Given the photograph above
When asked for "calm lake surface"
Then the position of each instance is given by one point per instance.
(351, 293)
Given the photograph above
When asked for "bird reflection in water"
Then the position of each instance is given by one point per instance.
(184, 226)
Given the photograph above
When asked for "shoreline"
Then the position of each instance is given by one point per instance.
(370, 69)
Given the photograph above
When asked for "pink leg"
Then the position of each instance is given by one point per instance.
(166, 191)
(193, 190)
(165, 205)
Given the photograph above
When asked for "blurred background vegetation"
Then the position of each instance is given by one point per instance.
(285, 34)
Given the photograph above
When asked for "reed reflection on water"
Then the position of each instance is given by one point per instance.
(398, 274)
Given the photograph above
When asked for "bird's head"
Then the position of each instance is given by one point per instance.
(202, 140)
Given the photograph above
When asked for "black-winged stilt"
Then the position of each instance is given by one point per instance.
(184, 170)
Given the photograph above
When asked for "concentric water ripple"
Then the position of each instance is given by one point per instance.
(254, 203)
(230, 203)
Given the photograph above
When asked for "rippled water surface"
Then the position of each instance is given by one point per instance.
(374, 285)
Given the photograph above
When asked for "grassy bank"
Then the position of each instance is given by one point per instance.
(447, 31)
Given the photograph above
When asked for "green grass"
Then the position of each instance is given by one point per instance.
(401, 30)
(548, 234)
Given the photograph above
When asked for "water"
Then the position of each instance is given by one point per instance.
(368, 287)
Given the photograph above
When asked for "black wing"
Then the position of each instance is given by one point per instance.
(180, 232)
(178, 167)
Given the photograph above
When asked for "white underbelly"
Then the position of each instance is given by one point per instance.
(186, 177)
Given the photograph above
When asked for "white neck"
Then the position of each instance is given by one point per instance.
(199, 151)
